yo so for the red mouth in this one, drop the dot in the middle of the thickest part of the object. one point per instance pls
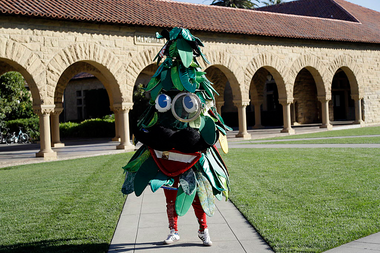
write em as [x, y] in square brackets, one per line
[173, 162]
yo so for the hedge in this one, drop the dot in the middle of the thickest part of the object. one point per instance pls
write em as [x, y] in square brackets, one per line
[28, 125]
[89, 128]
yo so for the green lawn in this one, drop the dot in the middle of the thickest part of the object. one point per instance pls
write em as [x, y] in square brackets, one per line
[63, 206]
[307, 200]
[300, 200]
[335, 133]
[346, 140]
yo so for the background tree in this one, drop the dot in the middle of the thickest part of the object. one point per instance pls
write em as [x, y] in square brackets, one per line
[15, 101]
[273, 2]
[246, 4]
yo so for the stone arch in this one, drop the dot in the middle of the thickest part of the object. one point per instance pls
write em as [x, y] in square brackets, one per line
[16, 57]
[136, 66]
[351, 69]
[314, 65]
[106, 63]
[275, 67]
[71, 71]
[232, 69]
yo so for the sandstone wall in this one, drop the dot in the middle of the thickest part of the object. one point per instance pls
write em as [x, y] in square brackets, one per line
[48, 53]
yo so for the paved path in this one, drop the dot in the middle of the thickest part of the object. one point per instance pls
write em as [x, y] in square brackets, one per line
[143, 226]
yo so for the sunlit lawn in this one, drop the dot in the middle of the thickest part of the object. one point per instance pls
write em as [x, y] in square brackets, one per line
[307, 200]
[64, 206]
[300, 200]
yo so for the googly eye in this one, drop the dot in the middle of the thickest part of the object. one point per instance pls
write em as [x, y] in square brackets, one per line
[163, 103]
[190, 104]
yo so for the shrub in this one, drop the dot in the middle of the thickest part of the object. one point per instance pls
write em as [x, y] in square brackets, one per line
[28, 125]
[104, 127]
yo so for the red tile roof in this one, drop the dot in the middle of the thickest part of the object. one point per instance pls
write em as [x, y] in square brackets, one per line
[166, 13]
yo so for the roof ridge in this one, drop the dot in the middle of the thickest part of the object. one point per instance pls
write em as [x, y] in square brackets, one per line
[309, 8]
[308, 17]
[344, 9]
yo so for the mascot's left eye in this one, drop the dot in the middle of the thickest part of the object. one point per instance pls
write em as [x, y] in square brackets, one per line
[190, 104]
[163, 103]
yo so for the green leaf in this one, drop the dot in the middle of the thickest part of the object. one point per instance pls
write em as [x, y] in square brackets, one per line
[208, 132]
[158, 72]
[153, 121]
[183, 201]
[175, 78]
[187, 35]
[185, 52]
[158, 181]
[154, 92]
[166, 80]
[174, 33]
[147, 172]
[185, 80]
[152, 83]
[196, 123]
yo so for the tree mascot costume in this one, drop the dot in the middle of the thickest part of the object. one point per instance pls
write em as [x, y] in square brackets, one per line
[178, 131]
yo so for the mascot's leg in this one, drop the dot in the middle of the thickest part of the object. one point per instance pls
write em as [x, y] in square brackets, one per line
[203, 233]
[170, 208]
[200, 214]
[171, 196]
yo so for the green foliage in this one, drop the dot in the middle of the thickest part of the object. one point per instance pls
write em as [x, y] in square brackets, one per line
[140, 103]
[104, 127]
[15, 101]
[29, 126]
[245, 4]
[273, 2]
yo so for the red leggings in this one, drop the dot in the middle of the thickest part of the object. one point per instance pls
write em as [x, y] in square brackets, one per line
[171, 196]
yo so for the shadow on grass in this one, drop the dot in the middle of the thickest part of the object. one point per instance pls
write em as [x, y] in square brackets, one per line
[54, 246]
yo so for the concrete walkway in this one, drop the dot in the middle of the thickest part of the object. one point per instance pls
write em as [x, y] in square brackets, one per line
[143, 226]
[143, 223]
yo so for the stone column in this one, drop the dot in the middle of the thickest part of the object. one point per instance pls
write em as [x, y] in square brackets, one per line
[123, 116]
[242, 120]
[325, 112]
[219, 104]
[117, 124]
[43, 113]
[257, 106]
[56, 138]
[286, 116]
[358, 109]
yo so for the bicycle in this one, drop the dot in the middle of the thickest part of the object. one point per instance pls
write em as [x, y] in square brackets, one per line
[3, 139]
[20, 138]
[23, 137]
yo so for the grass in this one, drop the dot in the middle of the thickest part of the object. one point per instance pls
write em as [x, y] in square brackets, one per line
[307, 200]
[300, 200]
[365, 135]
[346, 140]
[63, 206]
[336, 133]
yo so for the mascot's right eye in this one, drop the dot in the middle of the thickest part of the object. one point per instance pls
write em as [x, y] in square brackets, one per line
[163, 103]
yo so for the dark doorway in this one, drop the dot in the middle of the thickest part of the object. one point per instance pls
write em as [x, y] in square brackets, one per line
[343, 105]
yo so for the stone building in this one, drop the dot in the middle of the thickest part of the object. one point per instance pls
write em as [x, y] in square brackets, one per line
[305, 61]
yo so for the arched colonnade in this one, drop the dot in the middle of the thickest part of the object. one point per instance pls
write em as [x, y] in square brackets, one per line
[47, 82]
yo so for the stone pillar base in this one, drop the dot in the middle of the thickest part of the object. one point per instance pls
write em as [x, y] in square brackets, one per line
[258, 126]
[128, 148]
[360, 122]
[47, 156]
[328, 126]
[290, 131]
[115, 139]
[245, 136]
[58, 145]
